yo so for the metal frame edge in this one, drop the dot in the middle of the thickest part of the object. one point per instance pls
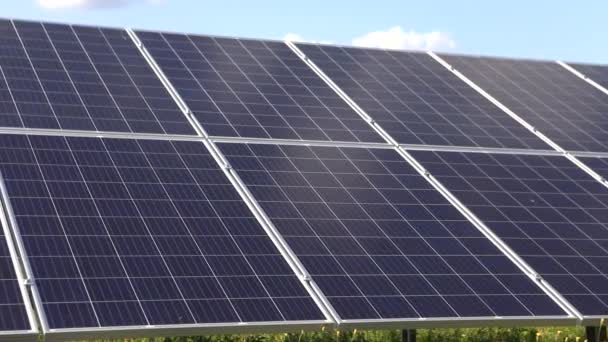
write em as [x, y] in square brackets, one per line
[583, 77]
[27, 286]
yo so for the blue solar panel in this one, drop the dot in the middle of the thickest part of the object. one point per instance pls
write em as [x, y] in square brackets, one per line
[81, 78]
[417, 100]
[13, 314]
[558, 103]
[596, 72]
[143, 232]
[378, 239]
[545, 208]
[255, 89]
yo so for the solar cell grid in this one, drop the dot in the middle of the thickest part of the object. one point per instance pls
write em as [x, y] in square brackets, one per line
[417, 101]
[378, 239]
[81, 78]
[254, 89]
[558, 103]
[545, 208]
[141, 232]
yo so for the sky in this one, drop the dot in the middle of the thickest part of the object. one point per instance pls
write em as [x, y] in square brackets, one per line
[538, 29]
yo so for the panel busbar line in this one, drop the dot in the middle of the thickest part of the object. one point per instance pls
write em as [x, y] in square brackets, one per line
[125, 233]
[417, 101]
[553, 100]
[548, 210]
[378, 240]
[254, 89]
[81, 78]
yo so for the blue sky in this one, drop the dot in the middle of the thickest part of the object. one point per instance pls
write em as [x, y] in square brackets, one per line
[567, 30]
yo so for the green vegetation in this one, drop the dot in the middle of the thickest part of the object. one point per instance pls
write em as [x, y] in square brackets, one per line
[562, 334]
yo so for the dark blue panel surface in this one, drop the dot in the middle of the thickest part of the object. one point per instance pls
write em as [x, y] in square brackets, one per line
[13, 314]
[417, 100]
[558, 103]
[545, 208]
[378, 239]
[142, 232]
[81, 78]
[255, 89]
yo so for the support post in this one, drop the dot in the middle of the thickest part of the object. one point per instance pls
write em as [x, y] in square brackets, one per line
[596, 334]
[408, 335]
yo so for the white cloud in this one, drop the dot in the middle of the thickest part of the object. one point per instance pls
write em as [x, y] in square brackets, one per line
[87, 4]
[294, 37]
[398, 39]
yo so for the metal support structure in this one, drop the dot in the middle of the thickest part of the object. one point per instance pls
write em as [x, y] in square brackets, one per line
[22, 269]
[596, 333]
[408, 335]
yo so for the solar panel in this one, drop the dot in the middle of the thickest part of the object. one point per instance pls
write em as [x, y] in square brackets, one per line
[596, 72]
[81, 78]
[378, 239]
[138, 233]
[548, 210]
[558, 103]
[13, 312]
[254, 89]
[417, 100]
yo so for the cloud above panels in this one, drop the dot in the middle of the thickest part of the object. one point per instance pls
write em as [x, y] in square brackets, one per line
[91, 4]
[398, 39]
[294, 37]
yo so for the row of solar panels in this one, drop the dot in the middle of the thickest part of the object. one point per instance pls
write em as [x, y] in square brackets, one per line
[177, 234]
[94, 79]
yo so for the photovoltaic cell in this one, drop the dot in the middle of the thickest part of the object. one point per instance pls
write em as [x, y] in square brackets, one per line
[13, 314]
[548, 210]
[558, 103]
[142, 232]
[596, 72]
[417, 100]
[254, 89]
[378, 239]
[81, 78]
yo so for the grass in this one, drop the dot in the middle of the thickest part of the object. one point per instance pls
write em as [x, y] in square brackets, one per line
[562, 334]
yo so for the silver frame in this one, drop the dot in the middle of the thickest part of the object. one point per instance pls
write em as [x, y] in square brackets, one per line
[583, 76]
[21, 267]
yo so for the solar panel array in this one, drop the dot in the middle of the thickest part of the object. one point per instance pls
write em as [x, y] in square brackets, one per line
[418, 101]
[378, 239]
[552, 213]
[133, 234]
[81, 78]
[142, 232]
[555, 101]
[254, 89]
